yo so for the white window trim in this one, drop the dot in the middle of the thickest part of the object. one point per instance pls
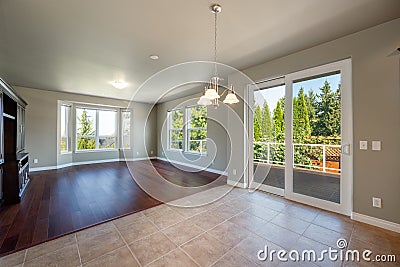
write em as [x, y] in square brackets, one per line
[169, 129]
[187, 132]
[97, 136]
[68, 129]
[121, 143]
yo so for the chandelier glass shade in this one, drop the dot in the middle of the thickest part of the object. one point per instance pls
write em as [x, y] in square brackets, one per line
[211, 94]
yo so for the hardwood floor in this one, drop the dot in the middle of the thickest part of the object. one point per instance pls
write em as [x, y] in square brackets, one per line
[62, 201]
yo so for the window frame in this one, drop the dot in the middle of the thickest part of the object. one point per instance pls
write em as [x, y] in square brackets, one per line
[170, 129]
[68, 129]
[188, 129]
[96, 135]
[122, 140]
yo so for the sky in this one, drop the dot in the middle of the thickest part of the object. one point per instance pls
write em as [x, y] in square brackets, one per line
[273, 94]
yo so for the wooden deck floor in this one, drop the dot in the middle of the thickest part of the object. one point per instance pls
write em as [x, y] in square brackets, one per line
[310, 183]
[62, 201]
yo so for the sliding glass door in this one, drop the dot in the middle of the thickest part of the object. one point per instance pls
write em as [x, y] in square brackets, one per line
[301, 129]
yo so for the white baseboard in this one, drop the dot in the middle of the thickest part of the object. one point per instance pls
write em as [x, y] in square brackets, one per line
[46, 168]
[193, 166]
[376, 222]
[234, 183]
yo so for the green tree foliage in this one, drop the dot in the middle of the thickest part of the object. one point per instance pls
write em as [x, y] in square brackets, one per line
[312, 107]
[177, 129]
[257, 123]
[316, 120]
[86, 132]
[301, 122]
[266, 124]
[279, 123]
[198, 124]
[328, 113]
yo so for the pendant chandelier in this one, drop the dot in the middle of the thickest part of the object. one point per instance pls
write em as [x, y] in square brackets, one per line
[211, 94]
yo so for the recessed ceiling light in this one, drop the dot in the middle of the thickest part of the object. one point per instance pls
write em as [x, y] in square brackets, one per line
[119, 84]
[154, 57]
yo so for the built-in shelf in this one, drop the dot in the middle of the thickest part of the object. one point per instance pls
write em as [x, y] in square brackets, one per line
[14, 171]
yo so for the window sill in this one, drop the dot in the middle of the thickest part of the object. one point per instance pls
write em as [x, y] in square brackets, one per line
[66, 153]
[174, 150]
[201, 154]
[96, 150]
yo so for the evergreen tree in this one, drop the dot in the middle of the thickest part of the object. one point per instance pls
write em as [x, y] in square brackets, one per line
[328, 112]
[85, 141]
[312, 107]
[257, 124]
[301, 122]
[282, 103]
[266, 126]
[337, 111]
[279, 123]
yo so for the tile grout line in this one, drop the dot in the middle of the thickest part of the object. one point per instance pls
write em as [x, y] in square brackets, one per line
[207, 232]
[226, 202]
[23, 262]
[190, 257]
[127, 245]
[348, 244]
[77, 247]
[179, 247]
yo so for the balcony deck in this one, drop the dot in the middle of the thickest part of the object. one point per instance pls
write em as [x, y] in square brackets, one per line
[316, 184]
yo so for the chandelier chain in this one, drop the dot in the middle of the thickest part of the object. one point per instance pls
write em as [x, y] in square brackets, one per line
[215, 44]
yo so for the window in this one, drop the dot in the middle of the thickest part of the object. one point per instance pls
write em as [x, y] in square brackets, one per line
[126, 129]
[95, 129]
[197, 129]
[64, 128]
[107, 129]
[175, 129]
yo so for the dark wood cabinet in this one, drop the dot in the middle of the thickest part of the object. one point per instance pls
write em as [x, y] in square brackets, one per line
[15, 161]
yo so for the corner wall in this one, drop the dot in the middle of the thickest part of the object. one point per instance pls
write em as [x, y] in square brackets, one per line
[216, 131]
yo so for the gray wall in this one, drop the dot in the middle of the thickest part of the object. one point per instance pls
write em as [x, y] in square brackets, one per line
[376, 110]
[41, 127]
[216, 157]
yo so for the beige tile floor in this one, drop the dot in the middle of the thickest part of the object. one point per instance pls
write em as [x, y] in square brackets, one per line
[227, 232]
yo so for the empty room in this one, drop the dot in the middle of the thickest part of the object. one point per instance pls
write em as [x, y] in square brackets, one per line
[199, 133]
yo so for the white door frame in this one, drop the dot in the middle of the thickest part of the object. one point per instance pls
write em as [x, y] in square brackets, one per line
[250, 147]
[346, 179]
[346, 184]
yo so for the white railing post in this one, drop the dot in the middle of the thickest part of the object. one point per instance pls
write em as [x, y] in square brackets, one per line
[323, 158]
[268, 153]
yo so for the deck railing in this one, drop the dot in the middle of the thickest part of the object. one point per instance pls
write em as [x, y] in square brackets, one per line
[273, 153]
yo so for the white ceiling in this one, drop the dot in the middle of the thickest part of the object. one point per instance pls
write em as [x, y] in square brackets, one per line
[80, 46]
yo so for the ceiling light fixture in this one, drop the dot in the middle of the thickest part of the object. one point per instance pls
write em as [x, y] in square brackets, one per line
[119, 84]
[211, 95]
[154, 57]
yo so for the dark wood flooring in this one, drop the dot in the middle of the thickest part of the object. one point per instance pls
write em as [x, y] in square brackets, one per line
[62, 201]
